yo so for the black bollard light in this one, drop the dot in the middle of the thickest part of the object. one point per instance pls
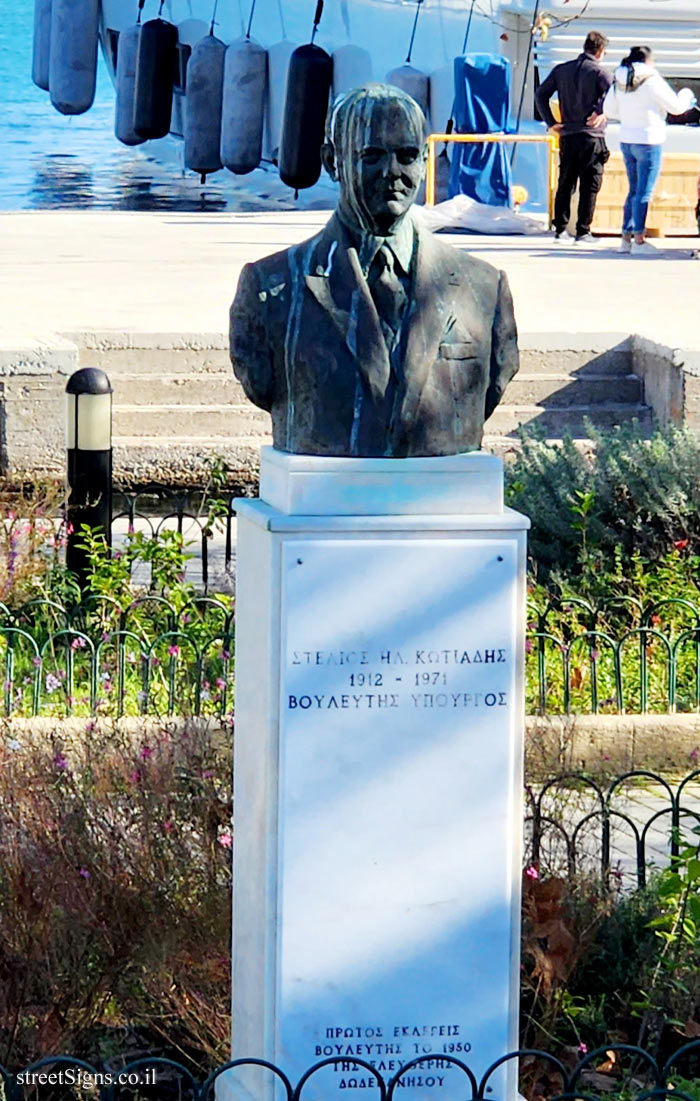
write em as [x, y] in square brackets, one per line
[89, 443]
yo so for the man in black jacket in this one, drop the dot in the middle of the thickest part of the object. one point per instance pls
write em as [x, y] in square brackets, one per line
[581, 86]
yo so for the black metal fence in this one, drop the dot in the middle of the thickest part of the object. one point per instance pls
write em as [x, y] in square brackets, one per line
[631, 1072]
[153, 509]
[616, 829]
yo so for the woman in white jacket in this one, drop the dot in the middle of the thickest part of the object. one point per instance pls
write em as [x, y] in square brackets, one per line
[640, 98]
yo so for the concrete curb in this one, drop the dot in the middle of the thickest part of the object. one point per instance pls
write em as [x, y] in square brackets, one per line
[604, 744]
[612, 743]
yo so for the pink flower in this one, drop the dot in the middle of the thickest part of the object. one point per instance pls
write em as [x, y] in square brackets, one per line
[90, 726]
[595, 655]
[583, 1048]
[146, 752]
[60, 762]
[135, 776]
[36, 661]
[694, 754]
[52, 682]
[224, 655]
[531, 872]
[528, 646]
[167, 825]
[155, 661]
[220, 683]
[78, 644]
[84, 873]
[173, 651]
[226, 840]
[207, 774]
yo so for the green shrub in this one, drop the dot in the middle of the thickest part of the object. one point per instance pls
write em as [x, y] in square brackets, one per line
[622, 495]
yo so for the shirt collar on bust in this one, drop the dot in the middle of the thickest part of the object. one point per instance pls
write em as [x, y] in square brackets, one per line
[401, 244]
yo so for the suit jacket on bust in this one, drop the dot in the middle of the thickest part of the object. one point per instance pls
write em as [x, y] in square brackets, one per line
[307, 344]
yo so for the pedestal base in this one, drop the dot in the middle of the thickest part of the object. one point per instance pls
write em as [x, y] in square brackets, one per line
[378, 773]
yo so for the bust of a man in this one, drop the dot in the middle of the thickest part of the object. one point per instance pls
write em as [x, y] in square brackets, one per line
[374, 338]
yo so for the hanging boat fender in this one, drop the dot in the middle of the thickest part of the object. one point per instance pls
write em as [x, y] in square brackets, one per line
[126, 85]
[73, 55]
[243, 117]
[205, 89]
[352, 66]
[278, 58]
[155, 78]
[42, 43]
[414, 82]
[305, 107]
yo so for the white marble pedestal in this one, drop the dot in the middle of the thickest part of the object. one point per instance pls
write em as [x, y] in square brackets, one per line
[378, 773]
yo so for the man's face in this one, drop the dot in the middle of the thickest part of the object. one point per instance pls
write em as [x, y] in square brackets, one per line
[392, 165]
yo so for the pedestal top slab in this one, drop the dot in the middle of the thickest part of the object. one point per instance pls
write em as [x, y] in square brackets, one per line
[317, 485]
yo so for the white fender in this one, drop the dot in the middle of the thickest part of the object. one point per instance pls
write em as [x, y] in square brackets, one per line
[42, 43]
[73, 55]
[205, 89]
[352, 66]
[125, 84]
[243, 118]
[442, 94]
[277, 65]
[414, 82]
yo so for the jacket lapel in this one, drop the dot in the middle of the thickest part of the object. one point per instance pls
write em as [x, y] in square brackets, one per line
[429, 317]
[336, 281]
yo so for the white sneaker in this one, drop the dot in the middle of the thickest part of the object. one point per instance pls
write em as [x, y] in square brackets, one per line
[645, 249]
[563, 238]
[626, 244]
[586, 239]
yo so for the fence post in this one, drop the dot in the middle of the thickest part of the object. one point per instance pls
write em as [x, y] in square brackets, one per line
[89, 462]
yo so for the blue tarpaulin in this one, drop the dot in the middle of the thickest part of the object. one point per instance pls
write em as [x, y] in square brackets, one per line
[482, 104]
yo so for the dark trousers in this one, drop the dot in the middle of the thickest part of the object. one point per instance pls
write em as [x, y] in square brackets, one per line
[582, 159]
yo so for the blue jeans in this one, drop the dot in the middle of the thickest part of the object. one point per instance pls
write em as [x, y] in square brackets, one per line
[643, 164]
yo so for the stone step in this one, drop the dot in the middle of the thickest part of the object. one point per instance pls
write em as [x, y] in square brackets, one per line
[568, 419]
[562, 361]
[218, 388]
[146, 388]
[193, 422]
[134, 361]
[558, 390]
[202, 422]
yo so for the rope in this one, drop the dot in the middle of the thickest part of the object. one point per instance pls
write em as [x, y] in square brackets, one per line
[317, 19]
[213, 17]
[142, 5]
[530, 47]
[451, 120]
[469, 27]
[160, 9]
[250, 21]
[413, 32]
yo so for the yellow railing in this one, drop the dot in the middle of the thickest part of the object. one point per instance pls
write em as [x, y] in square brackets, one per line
[551, 140]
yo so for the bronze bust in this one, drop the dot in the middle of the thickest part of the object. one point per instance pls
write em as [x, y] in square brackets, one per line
[374, 338]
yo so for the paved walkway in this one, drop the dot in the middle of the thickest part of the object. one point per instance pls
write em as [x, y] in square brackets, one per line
[176, 273]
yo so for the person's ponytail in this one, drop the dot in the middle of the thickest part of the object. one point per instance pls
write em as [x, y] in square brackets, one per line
[636, 54]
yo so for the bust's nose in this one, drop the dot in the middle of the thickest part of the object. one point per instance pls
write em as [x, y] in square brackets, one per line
[393, 168]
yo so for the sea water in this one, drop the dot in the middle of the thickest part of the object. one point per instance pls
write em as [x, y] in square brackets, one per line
[52, 161]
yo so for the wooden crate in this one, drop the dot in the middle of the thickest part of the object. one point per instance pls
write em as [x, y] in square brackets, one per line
[672, 209]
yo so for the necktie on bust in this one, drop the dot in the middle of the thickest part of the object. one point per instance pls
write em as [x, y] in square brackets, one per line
[388, 293]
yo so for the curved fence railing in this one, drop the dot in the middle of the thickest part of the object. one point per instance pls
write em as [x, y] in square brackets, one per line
[99, 658]
[616, 830]
[616, 656]
[177, 509]
[638, 1076]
